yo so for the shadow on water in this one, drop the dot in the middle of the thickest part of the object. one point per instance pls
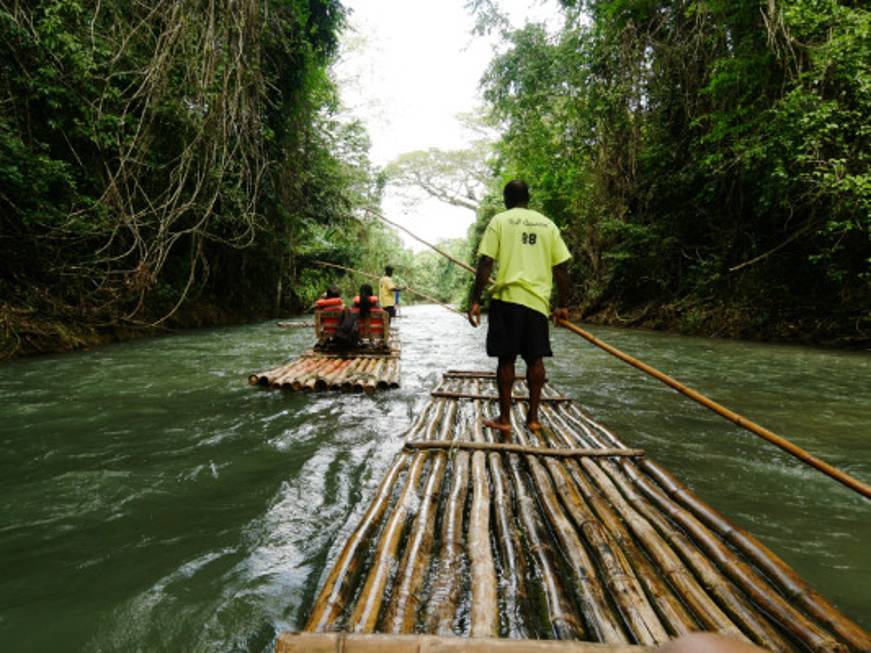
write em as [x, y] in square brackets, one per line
[152, 500]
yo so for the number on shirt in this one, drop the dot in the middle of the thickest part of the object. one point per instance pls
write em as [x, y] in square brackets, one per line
[529, 239]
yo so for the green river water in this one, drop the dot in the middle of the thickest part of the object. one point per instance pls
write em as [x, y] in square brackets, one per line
[151, 500]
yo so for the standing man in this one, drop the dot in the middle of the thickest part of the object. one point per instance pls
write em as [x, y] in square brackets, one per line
[529, 252]
[386, 289]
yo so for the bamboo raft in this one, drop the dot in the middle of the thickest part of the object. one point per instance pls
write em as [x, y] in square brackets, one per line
[359, 370]
[566, 534]
[294, 325]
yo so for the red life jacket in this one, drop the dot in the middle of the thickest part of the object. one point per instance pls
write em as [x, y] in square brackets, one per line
[333, 306]
[330, 304]
[373, 301]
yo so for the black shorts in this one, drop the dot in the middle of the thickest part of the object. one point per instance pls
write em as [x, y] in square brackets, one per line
[390, 310]
[516, 330]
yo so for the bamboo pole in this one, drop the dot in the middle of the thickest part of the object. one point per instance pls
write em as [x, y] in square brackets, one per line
[514, 567]
[787, 616]
[619, 575]
[741, 611]
[445, 592]
[561, 615]
[765, 562]
[611, 507]
[454, 260]
[492, 397]
[405, 597]
[594, 604]
[842, 477]
[336, 591]
[795, 588]
[407, 287]
[483, 611]
[365, 615]
[350, 643]
[524, 449]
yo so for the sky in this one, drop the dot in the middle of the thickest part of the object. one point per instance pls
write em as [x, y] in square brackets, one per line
[407, 69]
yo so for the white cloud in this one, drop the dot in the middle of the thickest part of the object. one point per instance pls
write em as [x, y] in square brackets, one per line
[408, 68]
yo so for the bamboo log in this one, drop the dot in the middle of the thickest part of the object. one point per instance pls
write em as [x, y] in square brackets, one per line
[349, 643]
[563, 622]
[790, 619]
[514, 568]
[338, 379]
[405, 597]
[445, 593]
[610, 506]
[483, 611]
[285, 377]
[476, 374]
[267, 378]
[492, 397]
[300, 381]
[309, 380]
[337, 589]
[618, 573]
[842, 477]
[740, 610]
[594, 604]
[365, 615]
[506, 447]
[791, 584]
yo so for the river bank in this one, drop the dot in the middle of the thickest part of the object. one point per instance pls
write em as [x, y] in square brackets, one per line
[24, 334]
[735, 322]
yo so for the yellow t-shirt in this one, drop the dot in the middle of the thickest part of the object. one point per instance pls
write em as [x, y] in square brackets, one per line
[385, 292]
[526, 246]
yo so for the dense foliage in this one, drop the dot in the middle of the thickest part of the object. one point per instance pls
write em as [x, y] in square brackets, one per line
[708, 160]
[170, 162]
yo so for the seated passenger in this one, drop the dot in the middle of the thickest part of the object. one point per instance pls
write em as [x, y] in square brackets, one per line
[371, 315]
[329, 308]
[331, 300]
[368, 303]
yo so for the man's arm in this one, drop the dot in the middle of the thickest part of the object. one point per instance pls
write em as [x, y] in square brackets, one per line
[561, 275]
[482, 277]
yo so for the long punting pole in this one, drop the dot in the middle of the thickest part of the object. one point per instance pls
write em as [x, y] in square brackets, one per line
[453, 259]
[842, 477]
[369, 275]
[853, 483]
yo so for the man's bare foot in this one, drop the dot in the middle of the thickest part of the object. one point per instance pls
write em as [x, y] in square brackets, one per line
[534, 425]
[505, 427]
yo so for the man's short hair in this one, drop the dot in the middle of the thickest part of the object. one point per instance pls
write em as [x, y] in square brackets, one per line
[516, 192]
[388, 270]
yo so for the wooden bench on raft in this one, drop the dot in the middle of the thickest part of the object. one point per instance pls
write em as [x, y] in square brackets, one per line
[374, 329]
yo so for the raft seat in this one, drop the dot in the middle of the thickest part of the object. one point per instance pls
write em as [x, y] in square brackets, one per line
[374, 330]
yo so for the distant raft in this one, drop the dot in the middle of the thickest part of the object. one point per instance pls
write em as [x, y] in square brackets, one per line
[564, 534]
[365, 369]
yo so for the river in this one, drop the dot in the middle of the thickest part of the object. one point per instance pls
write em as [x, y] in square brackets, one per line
[150, 499]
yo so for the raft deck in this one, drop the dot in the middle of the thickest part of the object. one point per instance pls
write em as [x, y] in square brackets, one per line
[361, 370]
[566, 535]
